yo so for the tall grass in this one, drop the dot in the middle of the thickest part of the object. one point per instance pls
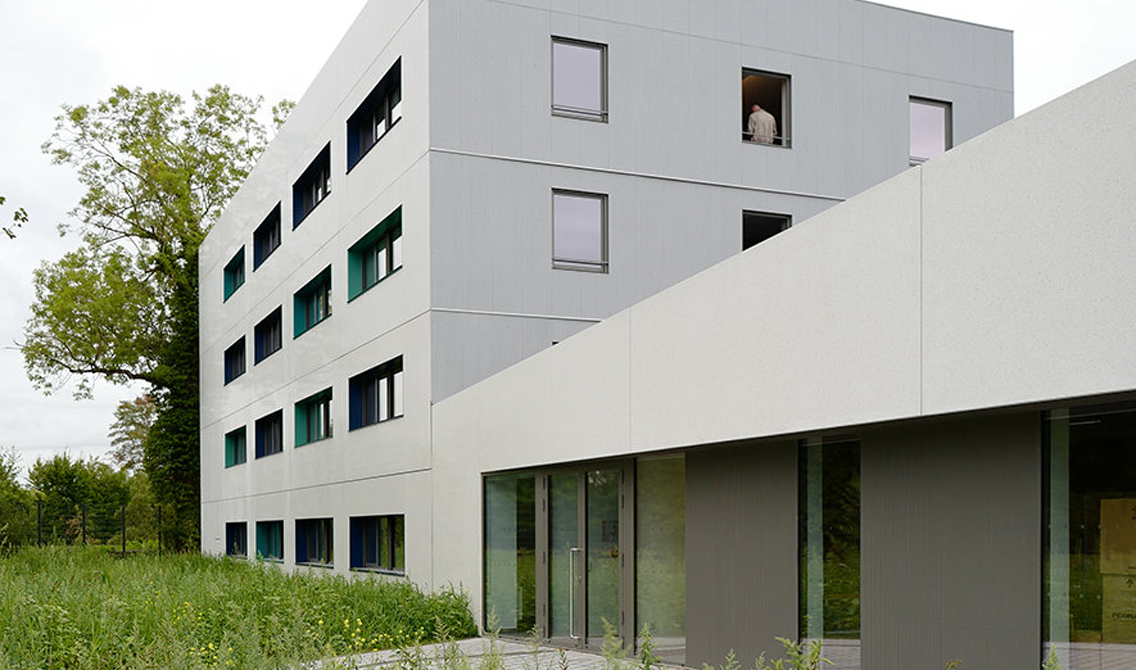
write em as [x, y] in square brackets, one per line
[70, 607]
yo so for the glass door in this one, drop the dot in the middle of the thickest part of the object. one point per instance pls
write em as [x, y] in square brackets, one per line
[584, 565]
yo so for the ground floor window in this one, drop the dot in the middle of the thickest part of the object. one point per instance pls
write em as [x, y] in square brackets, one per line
[510, 553]
[377, 543]
[236, 539]
[314, 541]
[830, 548]
[270, 540]
[660, 554]
[1089, 562]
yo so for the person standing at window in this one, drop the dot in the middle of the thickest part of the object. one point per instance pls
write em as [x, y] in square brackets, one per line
[762, 125]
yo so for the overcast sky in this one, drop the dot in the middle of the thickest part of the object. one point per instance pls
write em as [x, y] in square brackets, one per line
[73, 51]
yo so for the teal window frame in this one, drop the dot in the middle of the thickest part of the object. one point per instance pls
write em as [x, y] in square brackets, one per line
[311, 305]
[234, 273]
[313, 418]
[236, 447]
[381, 246]
[270, 541]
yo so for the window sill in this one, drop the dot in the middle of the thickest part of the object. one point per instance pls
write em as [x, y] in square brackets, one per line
[378, 423]
[309, 564]
[388, 275]
[782, 144]
[380, 571]
[582, 115]
[598, 268]
[322, 439]
[267, 559]
[271, 454]
[233, 465]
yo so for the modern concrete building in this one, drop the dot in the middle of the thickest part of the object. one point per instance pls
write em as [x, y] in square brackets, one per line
[466, 184]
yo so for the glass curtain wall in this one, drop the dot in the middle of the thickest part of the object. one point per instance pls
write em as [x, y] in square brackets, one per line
[660, 554]
[510, 553]
[1089, 561]
[830, 548]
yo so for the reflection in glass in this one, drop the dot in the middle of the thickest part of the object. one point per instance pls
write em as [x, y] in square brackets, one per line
[660, 554]
[577, 225]
[577, 78]
[603, 553]
[830, 549]
[564, 555]
[510, 553]
[1090, 540]
[930, 129]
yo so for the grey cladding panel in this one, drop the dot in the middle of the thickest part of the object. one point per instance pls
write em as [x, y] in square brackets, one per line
[951, 544]
[741, 551]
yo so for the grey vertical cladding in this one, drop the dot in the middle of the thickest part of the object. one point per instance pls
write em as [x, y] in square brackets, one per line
[741, 551]
[951, 543]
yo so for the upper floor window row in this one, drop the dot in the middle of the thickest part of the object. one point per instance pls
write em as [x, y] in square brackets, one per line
[313, 186]
[377, 114]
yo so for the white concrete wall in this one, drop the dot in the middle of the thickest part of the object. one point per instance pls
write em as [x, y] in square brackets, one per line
[998, 274]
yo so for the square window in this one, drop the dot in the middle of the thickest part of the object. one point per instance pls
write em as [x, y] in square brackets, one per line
[579, 79]
[376, 255]
[930, 129]
[270, 434]
[234, 273]
[376, 395]
[236, 539]
[235, 360]
[235, 447]
[375, 116]
[313, 418]
[313, 186]
[312, 303]
[760, 226]
[314, 541]
[268, 336]
[266, 237]
[270, 540]
[579, 231]
[378, 543]
[765, 108]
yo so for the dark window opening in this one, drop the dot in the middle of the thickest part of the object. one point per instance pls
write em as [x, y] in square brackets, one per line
[312, 303]
[313, 418]
[375, 116]
[270, 434]
[377, 543]
[376, 395]
[760, 226]
[314, 541]
[236, 539]
[375, 256]
[235, 447]
[234, 274]
[266, 237]
[765, 108]
[268, 336]
[235, 360]
[312, 187]
[270, 540]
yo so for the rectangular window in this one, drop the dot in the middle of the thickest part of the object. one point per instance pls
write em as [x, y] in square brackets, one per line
[313, 418]
[830, 544]
[312, 303]
[266, 237]
[235, 360]
[236, 539]
[579, 231]
[760, 226]
[579, 79]
[234, 273]
[375, 256]
[270, 434]
[314, 541]
[765, 108]
[268, 336]
[313, 186]
[377, 543]
[376, 395]
[235, 447]
[930, 128]
[375, 116]
[270, 540]
[660, 554]
[1089, 559]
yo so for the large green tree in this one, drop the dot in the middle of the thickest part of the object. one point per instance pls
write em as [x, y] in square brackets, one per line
[158, 170]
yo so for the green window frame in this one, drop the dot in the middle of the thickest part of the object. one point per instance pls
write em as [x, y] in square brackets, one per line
[312, 303]
[236, 447]
[376, 255]
[313, 418]
[234, 273]
[270, 540]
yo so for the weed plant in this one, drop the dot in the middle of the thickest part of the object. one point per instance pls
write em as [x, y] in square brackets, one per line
[75, 608]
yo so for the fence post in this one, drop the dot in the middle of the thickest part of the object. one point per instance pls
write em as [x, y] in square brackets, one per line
[39, 523]
[124, 530]
[84, 525]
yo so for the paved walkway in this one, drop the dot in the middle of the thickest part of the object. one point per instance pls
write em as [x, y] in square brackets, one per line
[514, 655]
